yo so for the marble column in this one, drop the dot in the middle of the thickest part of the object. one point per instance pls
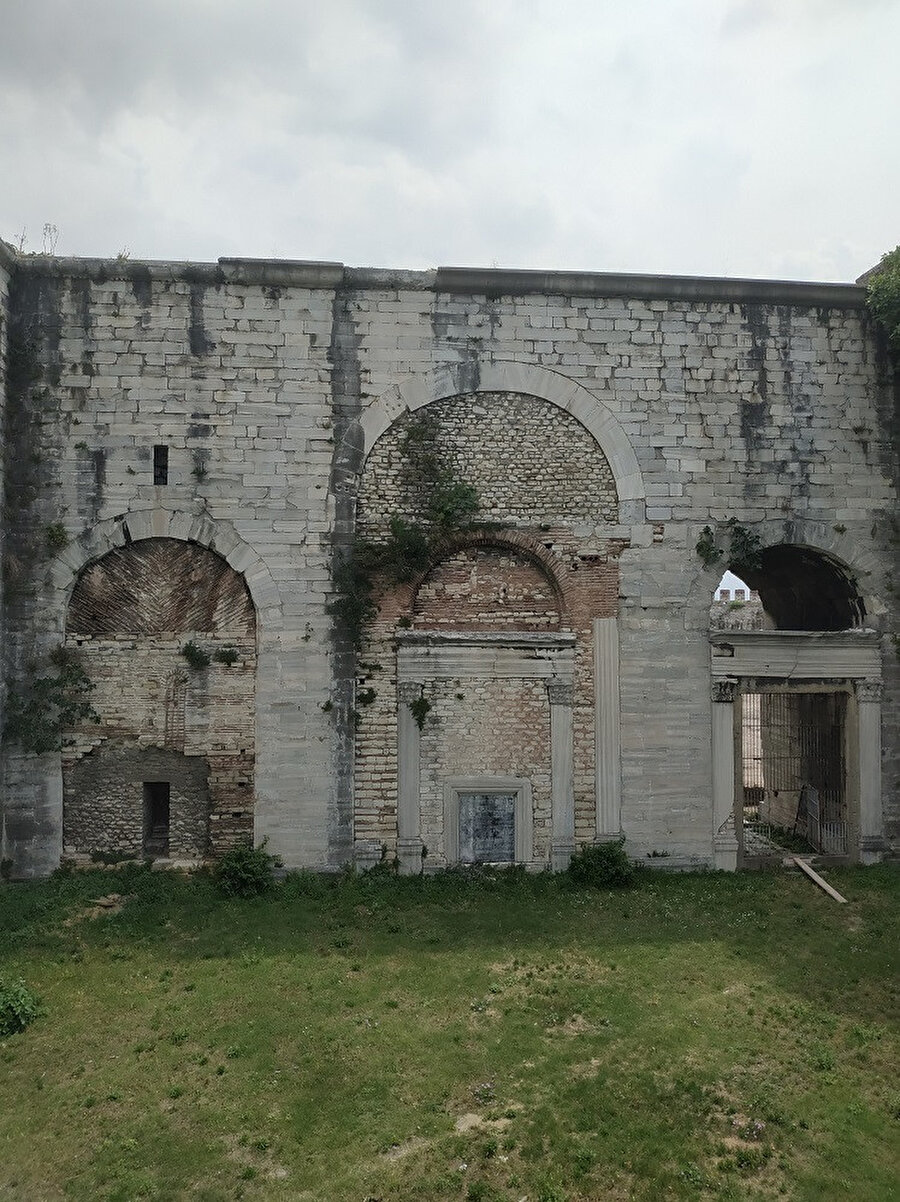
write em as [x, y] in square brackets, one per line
[409, 839]
[725, 841]
[562, 774]
[871, 840]
[607, 730]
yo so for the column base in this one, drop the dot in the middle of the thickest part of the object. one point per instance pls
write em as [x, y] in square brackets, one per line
[561, 852]
[367, 854]
[409, 856]
[871, 849]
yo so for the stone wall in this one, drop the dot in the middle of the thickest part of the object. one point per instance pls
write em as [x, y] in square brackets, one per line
[271, 382]
[485, 728]
[105, 805]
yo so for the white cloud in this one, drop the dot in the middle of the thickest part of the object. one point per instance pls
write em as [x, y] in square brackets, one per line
[745, 137]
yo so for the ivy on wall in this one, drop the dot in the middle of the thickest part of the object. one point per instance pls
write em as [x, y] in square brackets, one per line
[38, 714]
[883, 297]
[445, 505]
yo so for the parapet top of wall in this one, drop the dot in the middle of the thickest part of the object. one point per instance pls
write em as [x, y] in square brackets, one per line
[477, 281]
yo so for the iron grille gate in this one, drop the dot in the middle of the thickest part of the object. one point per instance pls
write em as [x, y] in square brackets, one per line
[793, 771]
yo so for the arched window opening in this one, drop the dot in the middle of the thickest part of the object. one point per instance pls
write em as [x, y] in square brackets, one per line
[791, 588]
[737, 606]
[802, 588]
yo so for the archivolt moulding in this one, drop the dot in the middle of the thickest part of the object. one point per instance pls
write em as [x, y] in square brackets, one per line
[217, 535]
[420, 390]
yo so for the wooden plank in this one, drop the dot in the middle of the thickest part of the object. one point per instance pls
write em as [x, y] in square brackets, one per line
[814, 876]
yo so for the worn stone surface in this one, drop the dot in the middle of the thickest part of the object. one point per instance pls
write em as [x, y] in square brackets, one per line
[268, 383]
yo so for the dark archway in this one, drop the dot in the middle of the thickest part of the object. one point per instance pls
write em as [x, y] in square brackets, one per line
[802, 588]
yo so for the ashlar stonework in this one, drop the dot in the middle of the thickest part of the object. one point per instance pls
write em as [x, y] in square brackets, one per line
[191, 452]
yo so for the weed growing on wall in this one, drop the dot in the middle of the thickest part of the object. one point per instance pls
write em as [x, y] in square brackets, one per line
[39, 713]
[741, 548]
[883, 297]
[56, 537]
[196, 657]
[420, 709]
[445, 504]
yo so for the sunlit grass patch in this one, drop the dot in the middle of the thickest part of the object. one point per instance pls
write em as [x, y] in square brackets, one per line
[452, 1037]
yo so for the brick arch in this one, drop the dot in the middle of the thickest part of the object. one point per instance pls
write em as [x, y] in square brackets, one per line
[153, 585]
[527, 380]
[510, 542]
[213, 534]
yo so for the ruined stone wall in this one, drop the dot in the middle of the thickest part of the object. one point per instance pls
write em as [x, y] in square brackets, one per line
[5, 269]
[770, 407]
[770, 403]
[543, 484]
[234, 380]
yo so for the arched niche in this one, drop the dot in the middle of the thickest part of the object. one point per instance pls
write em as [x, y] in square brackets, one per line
[532, 464]
[166, 631]
[487, 587]
[160, 585]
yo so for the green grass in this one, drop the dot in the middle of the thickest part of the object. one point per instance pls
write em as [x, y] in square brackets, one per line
[505, 1037]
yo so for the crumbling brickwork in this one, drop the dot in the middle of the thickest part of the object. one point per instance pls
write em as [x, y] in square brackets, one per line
[130, 617]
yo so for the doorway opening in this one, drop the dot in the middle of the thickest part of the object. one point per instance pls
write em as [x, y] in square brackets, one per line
[792, 793]
[156, 818]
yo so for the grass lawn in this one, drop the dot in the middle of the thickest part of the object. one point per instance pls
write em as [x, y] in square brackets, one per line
[500, 1037]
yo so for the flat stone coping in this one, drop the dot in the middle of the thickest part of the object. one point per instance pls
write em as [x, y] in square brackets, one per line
[834, 638]
[491, 283]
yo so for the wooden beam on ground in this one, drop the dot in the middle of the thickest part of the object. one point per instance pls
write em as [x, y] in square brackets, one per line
[814, 876]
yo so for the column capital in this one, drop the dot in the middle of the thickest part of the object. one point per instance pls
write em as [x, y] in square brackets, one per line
[723, 691]
[560, 692]
[408, 691]
[869, 690]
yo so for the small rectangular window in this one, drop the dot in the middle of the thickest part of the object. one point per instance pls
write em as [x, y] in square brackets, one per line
[160, 465]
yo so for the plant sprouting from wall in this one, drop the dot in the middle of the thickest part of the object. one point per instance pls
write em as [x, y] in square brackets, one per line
[50, 704]
[56, 537]
[741, 547]
[196, 657]
[420, 709]
[883, 297]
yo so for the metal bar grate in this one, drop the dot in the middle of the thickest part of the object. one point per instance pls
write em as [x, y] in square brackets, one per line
[793, 771]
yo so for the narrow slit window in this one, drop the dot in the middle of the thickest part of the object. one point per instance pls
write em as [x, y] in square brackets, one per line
[160, 465]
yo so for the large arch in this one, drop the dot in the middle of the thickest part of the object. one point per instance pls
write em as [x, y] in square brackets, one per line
[186, 526]
[166, 631]
[860, 564]
[420, 390]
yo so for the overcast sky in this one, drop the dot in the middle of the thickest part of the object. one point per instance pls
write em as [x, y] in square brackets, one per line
[703, 137]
